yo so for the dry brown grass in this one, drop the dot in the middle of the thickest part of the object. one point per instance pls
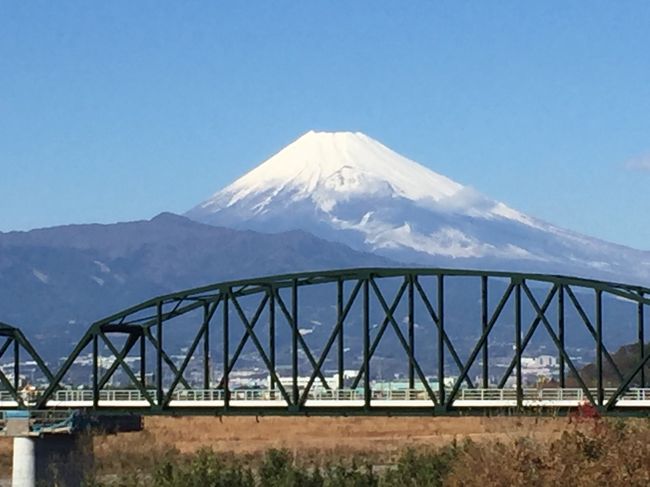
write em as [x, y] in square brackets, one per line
[376, 439]
[601, 453]
[380, 436]
[5, 456]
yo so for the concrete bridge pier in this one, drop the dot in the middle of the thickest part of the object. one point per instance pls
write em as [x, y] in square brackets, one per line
[56, 447]
[24, 462]
[63, 459]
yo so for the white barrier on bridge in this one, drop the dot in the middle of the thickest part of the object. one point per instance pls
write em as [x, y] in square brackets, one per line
[352, 398]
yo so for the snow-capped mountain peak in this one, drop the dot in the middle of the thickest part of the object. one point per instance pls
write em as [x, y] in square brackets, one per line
[324, 164]
[330, 168]
[348, 187]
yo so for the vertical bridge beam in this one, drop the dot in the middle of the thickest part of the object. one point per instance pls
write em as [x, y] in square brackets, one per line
[272, 358]
[600, 397]
[226, 349]
[366, 343]
[16, 365]
[143, 361]
[641, 336]
[206, 346]
[340, 345]
[484, 325]
[411, 330]
[159, 357]
[294, 344]
[518, 351]
[560, 326]
[95, 371]
[441, 335]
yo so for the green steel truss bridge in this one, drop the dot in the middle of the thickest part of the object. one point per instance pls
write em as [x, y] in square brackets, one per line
[463, 342]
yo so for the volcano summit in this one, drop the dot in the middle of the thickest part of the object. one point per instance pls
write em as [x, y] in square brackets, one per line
[350, 188]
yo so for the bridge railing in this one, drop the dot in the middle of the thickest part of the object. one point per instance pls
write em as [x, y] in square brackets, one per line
[198, 395]
[336, 395]
[572, 394]
[399, 395]
[566, 394]
[490, 394]
[86, 395]
[207, 396]
[5, 396]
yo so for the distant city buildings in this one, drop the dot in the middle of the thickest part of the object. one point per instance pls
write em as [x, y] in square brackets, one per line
[534, 369]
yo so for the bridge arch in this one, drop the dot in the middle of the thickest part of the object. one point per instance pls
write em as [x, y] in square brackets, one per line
[444, 370]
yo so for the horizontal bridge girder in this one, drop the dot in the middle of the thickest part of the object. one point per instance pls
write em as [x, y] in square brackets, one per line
[259, 285]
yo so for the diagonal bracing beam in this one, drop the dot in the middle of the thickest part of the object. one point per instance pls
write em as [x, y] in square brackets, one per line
[126, 369]
[258, 345]
[559, 345]
[11, 389]
[6, 346]
[170, 363]
[445, 336]
[380, 333]
[55, 382]
[338, 329]
[480, 343]
[529, 334]
[126, 349]
[626, 382]
[244, 339]
[414, 363]
[301, 340]
[592, 330]
[181, 371]
[202, 333]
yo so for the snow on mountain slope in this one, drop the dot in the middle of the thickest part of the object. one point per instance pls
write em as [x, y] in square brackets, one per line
[350, 188]
[320, 165]
[332, 167]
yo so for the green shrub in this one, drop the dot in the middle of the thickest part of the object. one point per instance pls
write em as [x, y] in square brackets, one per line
[278, 470]
[419, 469]
[351, 476]
[205, 469]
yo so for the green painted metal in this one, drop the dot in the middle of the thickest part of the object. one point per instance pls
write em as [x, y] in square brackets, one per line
[15, 340]
[252, 286]
[147, 323]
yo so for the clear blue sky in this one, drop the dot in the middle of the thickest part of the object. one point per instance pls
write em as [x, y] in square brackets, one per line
[120, 110]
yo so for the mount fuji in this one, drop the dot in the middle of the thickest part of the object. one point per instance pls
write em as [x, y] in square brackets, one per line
[349, 188]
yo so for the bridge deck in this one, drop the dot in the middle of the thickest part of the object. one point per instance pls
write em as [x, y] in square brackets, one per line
[342, 399]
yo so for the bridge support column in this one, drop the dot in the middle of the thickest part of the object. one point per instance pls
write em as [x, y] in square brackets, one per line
[52, 459]
[24, 462]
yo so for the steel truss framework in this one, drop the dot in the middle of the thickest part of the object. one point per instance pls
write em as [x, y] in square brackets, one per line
[14, 343]
[141, 331]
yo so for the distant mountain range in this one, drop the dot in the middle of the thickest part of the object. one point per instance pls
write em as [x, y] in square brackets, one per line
[329, 200]
[54, 282]
[350, 188]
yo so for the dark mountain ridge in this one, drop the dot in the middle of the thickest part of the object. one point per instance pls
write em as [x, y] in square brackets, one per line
[55, 281]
